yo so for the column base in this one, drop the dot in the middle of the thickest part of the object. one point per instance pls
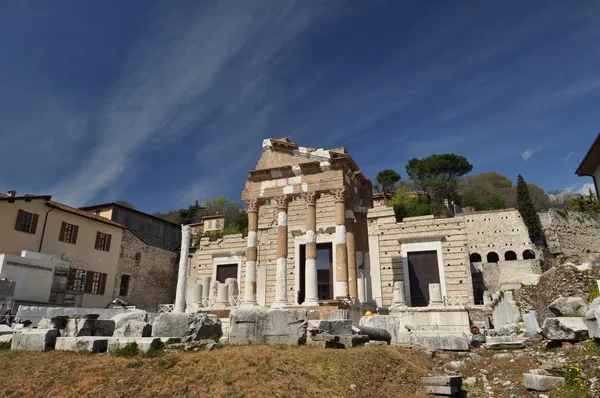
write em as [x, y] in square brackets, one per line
[249, 304]
[311, 302]
[279, 304]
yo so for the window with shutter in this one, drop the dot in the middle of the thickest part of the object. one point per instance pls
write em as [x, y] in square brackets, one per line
[95, 283]
[68, 233]
[26, 222]
[102, 241]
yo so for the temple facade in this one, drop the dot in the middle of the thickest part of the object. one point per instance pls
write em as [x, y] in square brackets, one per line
[317, 236]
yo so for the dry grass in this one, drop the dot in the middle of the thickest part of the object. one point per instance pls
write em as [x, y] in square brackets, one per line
[249, 371]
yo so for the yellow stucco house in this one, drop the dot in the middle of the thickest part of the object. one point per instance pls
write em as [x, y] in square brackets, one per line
[89, 242]
[590, 165]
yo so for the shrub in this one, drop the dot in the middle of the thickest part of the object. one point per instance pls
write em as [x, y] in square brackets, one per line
[593, 291]
[4, 345]
[135, 364]
[129, 350]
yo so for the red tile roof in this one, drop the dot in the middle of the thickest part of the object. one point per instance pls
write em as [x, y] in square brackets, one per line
[85, 214]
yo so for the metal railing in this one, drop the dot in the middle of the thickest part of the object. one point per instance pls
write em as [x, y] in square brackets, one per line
[164, 308]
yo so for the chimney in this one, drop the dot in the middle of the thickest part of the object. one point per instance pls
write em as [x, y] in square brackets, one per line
[12, 193]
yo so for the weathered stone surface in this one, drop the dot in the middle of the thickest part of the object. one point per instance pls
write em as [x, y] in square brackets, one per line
[541, 382]
[335, 327]
[456, 365]
[6, 338]
[136, 315]
[565, 328]
[268, 326]
[81, 325]
[95, 344]
[170, 324]
[35, 340]
[133, 328]
[568, 306]
[144, 344]
[592, 320]
[530, 279]
[203, 326]
[445, 381]
[509, 345]
[448, 341]
[531, 324]
[4, 329]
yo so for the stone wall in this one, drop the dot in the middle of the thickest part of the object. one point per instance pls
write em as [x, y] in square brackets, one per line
[495, 275]
[561, 281]
[499, 232]
[419, 229]
[152, 271]
[573, 235]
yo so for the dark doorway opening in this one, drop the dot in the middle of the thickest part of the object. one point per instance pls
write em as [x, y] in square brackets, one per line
[422, 271]
[492, 257]
[225, 271]
[510, 256]
[528, 255]
[324, 272]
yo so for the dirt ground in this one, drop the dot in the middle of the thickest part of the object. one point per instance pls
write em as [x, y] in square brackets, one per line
[248, 371]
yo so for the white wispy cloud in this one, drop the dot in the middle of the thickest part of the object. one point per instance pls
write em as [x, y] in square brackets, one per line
[181, 74]
[568, 157]
[529, 153]
[585, 188]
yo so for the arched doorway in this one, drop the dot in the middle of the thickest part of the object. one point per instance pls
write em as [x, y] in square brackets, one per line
[528, 255]
[510, 256]
[492, 257]
[475, 258]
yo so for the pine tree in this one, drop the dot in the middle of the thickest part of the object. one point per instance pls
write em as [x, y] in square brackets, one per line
[527, 211]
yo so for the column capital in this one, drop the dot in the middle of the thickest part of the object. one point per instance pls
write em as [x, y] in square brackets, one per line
[283, 201]
[311, 198]
[254, 204]
[340, 195]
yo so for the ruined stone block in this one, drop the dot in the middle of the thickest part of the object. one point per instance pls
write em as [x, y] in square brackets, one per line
[446, 341]
[134, 328]
[268, 326]
[568, 306]
[540, 382]
[144, 344]
[565, 328]
[170, 325]
[123, 318]
[96, 344]
[335, 327]
[35, 340]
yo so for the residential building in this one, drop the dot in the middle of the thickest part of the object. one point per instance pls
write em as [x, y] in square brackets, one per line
[213, 223]
[151, 229]
[85, 247]
[590, 165]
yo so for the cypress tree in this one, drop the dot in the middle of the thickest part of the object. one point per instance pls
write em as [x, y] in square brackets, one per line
[527, 211]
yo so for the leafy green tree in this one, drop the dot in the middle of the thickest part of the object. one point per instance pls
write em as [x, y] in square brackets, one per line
[583, 204]
[408, 203]
[191, 214]
[528, 212]
[439, 174]
[387, 179]
[484, 191]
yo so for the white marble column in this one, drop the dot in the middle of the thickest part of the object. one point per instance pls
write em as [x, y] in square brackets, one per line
[222, 296]
[183, 263]
[341, 261]
[399, 295]
[435, 295]
[205, 290]
[251, 255]
[282, 253]
[360, 244]
[311, 291]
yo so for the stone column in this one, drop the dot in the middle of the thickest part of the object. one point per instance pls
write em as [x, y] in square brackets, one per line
[311, 297]
[232, 287]
[183, 263]
[282, 252]
[360, 237]
[366, 258]
[205, 290]
[212, 296]
[251, 254]
[341, 262]
[351, 244]
[222, 296]
[399, 295]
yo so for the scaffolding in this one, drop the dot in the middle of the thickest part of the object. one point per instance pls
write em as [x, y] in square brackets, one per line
[68, 282]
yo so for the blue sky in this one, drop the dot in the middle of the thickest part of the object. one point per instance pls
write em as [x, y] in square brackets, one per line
[161, 103]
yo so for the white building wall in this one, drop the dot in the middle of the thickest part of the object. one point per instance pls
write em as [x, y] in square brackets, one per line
[32, 277]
